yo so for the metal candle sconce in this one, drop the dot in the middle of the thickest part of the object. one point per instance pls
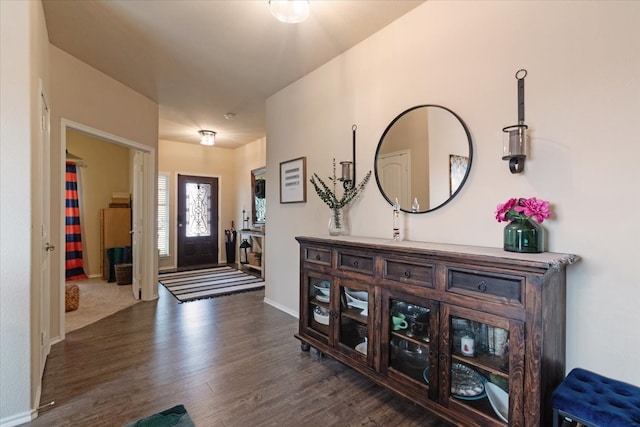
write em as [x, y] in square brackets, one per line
[515, 137]
[348, 179]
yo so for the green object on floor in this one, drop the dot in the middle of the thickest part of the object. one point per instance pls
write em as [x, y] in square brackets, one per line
[114, 255]
[172, 417]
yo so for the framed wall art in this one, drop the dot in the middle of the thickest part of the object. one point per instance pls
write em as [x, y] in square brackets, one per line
[293, 181]
[457, 170]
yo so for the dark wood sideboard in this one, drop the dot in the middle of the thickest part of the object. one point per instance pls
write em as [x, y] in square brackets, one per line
[469, 320]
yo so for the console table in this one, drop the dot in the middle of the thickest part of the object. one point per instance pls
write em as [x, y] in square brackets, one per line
[472, 325]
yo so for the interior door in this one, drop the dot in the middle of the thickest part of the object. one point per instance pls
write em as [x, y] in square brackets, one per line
[46, 246]
[394, 175]
[197, 226]
[136, 222]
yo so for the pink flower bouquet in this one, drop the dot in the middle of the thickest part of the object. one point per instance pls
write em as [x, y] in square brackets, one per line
[523, 209]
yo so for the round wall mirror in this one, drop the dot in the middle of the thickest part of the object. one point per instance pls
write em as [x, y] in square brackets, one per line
[423, 158]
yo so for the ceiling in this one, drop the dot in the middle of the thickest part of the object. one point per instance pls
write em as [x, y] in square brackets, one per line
[202, 59]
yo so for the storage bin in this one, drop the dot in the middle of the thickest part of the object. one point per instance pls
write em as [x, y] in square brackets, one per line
[124, 274]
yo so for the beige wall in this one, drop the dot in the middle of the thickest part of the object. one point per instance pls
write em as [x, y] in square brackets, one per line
[107, 170]
[582, 102]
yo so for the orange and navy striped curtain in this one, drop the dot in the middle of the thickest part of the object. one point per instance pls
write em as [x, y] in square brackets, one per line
[73, 266]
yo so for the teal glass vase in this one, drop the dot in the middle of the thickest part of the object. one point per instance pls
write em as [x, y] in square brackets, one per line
[524, 236]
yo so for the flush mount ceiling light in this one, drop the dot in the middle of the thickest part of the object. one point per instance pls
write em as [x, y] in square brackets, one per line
[207, 137]
[290, 11]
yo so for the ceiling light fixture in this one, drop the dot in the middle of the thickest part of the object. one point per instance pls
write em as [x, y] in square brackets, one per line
[207, 137]
[290, 11]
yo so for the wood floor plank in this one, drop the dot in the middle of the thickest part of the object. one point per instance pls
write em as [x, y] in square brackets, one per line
[232, 361]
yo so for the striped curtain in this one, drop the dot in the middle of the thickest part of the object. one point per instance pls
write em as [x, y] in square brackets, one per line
[73, 265]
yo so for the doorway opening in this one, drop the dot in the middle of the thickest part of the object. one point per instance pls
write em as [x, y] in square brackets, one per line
[143, 183]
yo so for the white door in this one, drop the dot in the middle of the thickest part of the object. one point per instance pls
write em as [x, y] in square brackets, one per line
[136, 223]
[393, 169]
[45, 244]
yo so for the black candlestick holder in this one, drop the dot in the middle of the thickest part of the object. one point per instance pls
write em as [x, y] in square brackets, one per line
[245, 221]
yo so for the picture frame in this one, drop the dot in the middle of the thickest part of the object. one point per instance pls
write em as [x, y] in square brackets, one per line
[457, 170]
[293, 181]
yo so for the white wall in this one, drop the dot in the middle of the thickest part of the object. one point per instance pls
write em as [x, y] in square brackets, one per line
[582, 102]
[23, 62]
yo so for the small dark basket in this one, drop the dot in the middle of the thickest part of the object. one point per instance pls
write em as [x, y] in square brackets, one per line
[124, 274]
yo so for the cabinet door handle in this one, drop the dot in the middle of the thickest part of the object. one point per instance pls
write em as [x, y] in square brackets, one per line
[355, 264]
[407, 274]
[482, 286]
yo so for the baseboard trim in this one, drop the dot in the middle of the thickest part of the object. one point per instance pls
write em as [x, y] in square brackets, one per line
[16, 420]
[281, 307]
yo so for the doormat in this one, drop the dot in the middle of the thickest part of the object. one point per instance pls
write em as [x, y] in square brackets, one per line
[172, 417]
[209, 283]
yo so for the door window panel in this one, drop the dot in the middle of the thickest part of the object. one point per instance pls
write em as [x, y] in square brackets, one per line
[198, 210]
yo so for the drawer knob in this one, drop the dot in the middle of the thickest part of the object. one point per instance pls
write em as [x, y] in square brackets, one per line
[355, 264]
[482, 286]
[318, 257]
[407, 274]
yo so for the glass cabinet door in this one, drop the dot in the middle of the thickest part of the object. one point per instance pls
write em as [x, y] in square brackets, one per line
[316, 312]
[410, 334]
[484, 350]
[355, 317]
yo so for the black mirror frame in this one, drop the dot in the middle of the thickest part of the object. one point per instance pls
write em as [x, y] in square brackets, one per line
[462, 182]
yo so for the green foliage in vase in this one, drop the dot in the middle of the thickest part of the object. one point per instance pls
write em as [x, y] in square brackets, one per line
[329, 195]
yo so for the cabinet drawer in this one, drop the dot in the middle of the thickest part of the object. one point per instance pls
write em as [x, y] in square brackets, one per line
[359, 263]
[319, 256]
[497, 287]
[408, 272]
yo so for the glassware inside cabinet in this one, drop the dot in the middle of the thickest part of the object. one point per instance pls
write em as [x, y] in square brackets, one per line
[486, 344]
[354, 316]
[410, 337]
[480, 366]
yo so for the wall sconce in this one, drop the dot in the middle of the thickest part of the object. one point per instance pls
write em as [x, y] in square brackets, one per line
[290, 11]
[349, 167]
[514, 145]
[207, 137]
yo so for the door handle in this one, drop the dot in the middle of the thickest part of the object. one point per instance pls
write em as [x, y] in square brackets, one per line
[49, 247]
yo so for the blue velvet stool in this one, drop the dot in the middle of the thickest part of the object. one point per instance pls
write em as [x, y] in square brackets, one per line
[596, 401]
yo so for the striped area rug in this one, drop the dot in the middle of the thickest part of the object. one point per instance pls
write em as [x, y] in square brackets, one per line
[209, 283]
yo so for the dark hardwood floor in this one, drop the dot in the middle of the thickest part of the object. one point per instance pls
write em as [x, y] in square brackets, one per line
[232, 361]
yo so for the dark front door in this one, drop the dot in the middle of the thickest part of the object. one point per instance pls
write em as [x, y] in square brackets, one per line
[197, 221]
